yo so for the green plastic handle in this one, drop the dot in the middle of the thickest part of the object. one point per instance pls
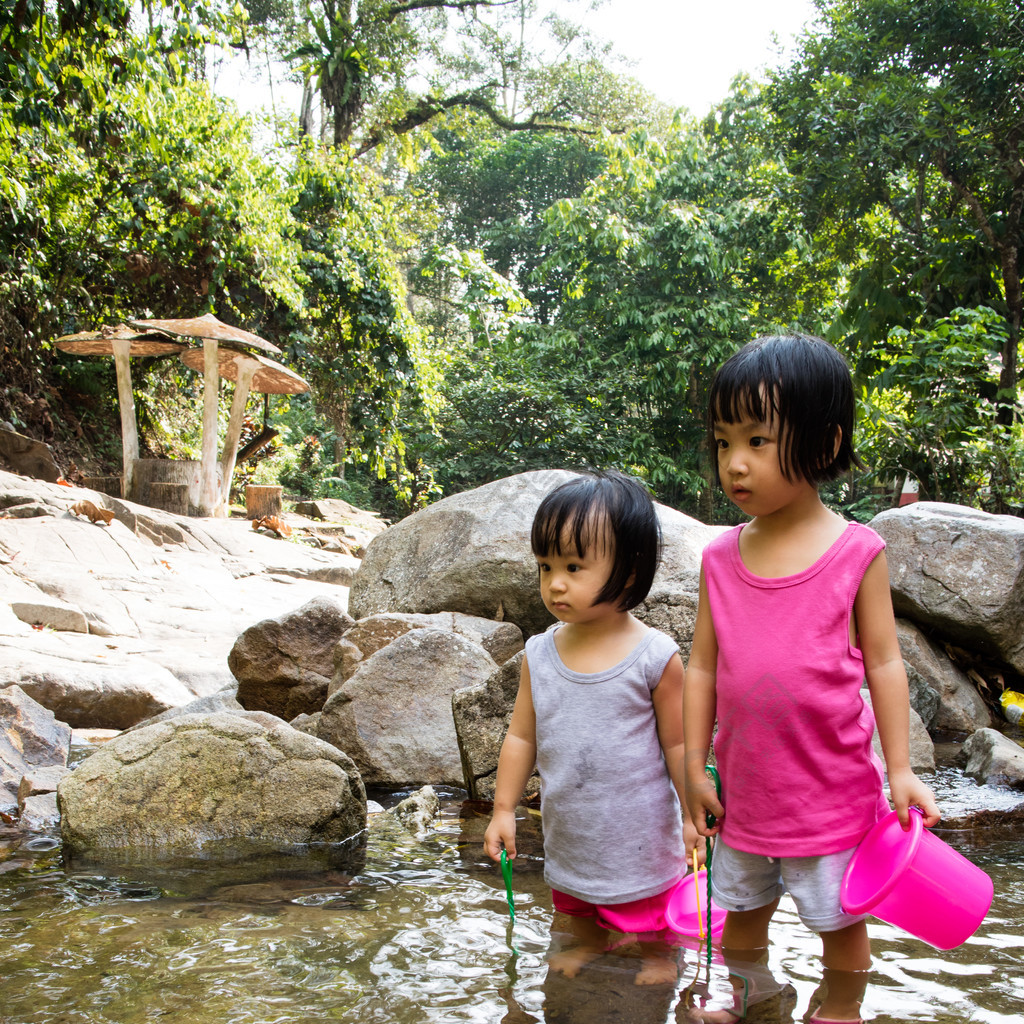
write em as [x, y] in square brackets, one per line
[712, 772]
[506, 871]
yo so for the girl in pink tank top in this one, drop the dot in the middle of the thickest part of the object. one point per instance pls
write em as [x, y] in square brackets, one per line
[794, 613]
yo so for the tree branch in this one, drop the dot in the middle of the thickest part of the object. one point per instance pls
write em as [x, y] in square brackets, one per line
[969, 198]
[430, 106]
[404, 6]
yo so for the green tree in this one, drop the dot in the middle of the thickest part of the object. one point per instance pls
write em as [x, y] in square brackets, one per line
[491, 194]
[355, 338]
[671, 258]
[103, 188]
[507, 405]
[904, 125]
[931, 412]
[384, 68]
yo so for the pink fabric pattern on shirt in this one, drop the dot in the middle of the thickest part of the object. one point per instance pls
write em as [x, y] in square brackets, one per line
[799, 775]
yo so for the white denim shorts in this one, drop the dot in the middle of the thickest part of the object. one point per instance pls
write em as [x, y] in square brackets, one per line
[746, 881]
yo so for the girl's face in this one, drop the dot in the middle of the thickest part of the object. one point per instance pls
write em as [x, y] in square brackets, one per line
[750, 467]
[571, 582]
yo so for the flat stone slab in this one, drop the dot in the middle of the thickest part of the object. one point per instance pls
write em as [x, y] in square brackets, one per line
[94, 616]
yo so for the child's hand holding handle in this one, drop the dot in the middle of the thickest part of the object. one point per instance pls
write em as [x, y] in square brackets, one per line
[501, 835]
[702, 801]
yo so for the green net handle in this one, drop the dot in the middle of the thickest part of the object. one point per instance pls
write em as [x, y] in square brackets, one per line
[709, 819]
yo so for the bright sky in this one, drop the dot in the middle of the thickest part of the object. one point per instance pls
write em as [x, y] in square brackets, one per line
[688, 51]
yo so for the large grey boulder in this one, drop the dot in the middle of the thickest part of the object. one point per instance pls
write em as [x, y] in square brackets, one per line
[21, 454]
[482, 714]
[671, 606]
[284, 665]
[470, 552]
[940, 691]
[501, 640]
[201, 782]
[393, 717]
[994, 758]
[960, 572]
[30, 738]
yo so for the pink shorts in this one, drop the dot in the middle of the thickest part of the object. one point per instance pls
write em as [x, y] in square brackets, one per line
[637, 916]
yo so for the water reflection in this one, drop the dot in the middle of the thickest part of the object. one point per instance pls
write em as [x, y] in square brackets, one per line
[420, 934]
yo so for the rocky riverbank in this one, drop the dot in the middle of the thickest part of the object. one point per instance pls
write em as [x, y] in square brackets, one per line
[253, 685]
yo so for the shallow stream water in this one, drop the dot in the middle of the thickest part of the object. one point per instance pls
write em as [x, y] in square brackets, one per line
[418, 932]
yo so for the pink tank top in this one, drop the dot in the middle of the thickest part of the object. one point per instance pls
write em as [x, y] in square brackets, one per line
[799, 775]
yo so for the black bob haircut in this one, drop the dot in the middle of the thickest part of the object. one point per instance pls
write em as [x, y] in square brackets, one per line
[599, 509]
[800, 383]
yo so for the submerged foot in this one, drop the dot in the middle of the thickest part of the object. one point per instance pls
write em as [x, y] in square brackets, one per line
[658, 967]
[570, 962]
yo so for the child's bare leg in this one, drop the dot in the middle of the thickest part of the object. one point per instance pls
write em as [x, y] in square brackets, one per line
[846, 957]
[744, 941]
[747, 931]
[587, 940]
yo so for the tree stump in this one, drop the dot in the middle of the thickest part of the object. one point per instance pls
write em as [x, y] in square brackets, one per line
[148, 472]
[170, 497]
[262, 501]
[104, 484]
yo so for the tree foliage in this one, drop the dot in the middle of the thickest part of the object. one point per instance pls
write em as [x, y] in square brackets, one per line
[355, 339]
[669, 259]
[177, 213]
[385, 68]
[905, 125]
[502, 256]
[490, 193]
[931, 412]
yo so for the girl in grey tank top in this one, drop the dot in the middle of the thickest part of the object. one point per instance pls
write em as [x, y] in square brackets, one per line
[599, 713]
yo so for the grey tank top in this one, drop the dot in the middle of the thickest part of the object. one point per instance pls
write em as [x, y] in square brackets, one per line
[611, 817]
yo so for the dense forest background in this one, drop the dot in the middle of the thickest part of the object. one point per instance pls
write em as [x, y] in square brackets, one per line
[488, 253]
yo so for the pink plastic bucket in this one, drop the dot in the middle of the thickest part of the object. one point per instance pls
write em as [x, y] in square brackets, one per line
[681, 914]
[917, 882]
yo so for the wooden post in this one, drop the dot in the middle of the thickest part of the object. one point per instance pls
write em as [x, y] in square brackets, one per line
[209, 492]
[148, 473]
[111, 485]
[126, 402]
[262, 501]
[246, 370]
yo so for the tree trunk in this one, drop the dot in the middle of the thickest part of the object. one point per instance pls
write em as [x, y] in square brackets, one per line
[171, 497]
[340, 422]
[261, 501]
[1007, 401]
[146, 473]
[306, 111]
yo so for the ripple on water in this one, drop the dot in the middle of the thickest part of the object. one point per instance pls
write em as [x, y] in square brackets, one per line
[959, 795]
[422, 935]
